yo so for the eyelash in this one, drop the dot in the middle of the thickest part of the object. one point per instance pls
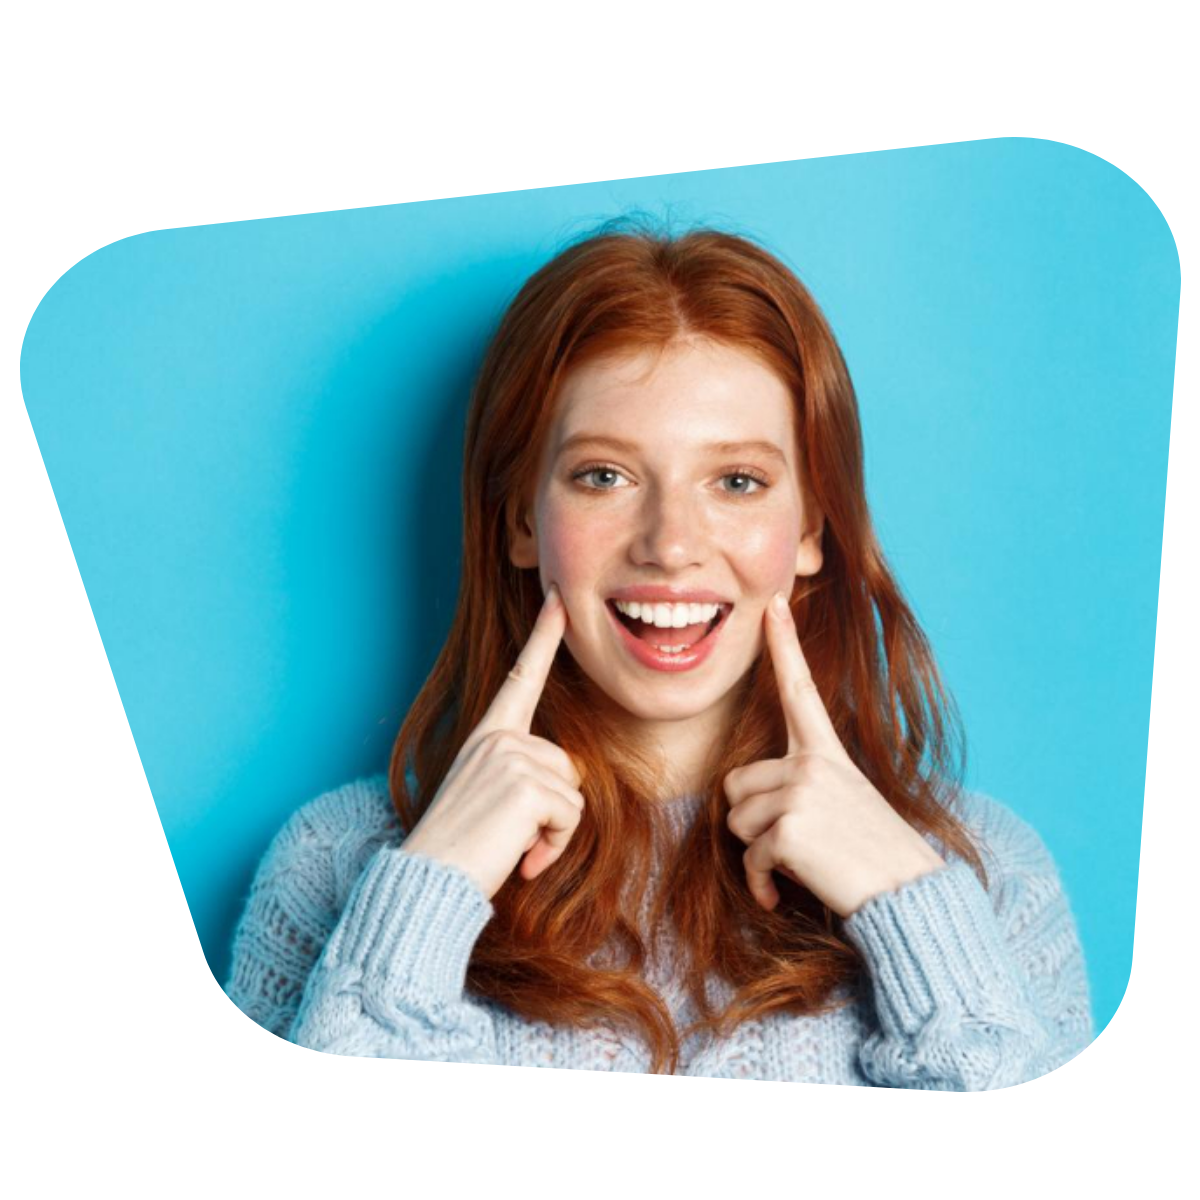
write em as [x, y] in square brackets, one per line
[744, 472]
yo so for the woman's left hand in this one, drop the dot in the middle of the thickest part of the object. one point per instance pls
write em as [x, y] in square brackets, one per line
[813, 815]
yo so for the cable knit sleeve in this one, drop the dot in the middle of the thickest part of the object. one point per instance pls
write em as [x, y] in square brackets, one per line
[350, 945]
[972, 989]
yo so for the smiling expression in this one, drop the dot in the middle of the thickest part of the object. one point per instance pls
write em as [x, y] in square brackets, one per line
[679, 472]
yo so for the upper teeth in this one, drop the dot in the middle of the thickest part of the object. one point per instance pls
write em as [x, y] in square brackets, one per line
[668, 616]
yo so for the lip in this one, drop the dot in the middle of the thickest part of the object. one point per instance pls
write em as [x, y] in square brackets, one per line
[648, 656]
[650, 593]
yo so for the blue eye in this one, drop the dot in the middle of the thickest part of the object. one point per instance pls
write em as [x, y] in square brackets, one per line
[758, 481]
[595, 471]
[753, 475]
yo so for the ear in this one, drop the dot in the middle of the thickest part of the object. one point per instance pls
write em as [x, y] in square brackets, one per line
[809, 555]
[522, 537]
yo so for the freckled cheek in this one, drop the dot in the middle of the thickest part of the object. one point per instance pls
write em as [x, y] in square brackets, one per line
[571, 550]
[766, 556]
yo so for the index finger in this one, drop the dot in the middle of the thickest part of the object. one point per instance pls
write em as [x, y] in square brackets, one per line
[514, 704]
[808, 722]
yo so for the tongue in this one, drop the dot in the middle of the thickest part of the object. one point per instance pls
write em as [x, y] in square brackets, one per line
[689, 635]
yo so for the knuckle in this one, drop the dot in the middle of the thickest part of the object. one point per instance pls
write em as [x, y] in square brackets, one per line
[506, 741]
[511, 764]
[807, 771]
[790, 823]
[795, 795]
[526, 795]
[492, 740]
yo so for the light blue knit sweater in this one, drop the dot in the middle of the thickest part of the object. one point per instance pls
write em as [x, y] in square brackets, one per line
[347, 944]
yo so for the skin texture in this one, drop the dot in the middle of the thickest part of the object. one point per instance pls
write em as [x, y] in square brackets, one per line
[670, 511]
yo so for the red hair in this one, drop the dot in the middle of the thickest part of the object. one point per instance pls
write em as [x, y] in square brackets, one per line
[629, 288]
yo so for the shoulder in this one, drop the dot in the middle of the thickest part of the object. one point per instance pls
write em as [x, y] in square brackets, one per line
[1005, 839]
[329, 839]
[360, 808]
[1023, 878]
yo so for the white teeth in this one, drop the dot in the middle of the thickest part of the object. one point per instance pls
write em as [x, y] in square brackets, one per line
[668, 616]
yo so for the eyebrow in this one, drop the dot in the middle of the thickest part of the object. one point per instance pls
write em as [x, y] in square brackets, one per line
[769, 449]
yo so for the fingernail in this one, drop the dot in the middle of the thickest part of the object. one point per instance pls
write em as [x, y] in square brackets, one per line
[779, 604]
[553, 599]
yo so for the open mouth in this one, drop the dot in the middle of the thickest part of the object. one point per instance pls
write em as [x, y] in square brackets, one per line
[636, 625]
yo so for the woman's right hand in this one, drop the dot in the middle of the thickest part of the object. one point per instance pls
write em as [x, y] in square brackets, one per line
[508, 795]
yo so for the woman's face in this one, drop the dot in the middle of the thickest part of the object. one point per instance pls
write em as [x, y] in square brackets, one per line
[676, 474]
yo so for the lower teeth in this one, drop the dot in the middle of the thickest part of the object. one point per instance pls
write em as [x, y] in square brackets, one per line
[680, 649]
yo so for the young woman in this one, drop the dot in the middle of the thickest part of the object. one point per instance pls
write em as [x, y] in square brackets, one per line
[642, 816]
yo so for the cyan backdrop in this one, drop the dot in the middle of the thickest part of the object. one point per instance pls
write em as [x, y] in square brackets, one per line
[253, 434]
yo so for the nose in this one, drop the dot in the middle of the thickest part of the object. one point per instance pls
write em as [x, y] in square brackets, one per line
[670, 532]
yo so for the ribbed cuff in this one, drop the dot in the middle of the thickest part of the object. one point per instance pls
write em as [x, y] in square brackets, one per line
[411, 925]
[933, 944]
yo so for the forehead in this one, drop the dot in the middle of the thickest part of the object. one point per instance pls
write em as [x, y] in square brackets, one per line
[693, 391]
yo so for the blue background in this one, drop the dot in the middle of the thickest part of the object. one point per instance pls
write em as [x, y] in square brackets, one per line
[253, 434]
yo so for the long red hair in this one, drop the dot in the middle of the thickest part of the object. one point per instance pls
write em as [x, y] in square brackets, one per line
[630, 287]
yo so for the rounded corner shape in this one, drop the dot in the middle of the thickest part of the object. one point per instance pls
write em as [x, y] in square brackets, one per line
[1054, 1070]
[1074, 145]
[88, 257]
[245, 1016]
